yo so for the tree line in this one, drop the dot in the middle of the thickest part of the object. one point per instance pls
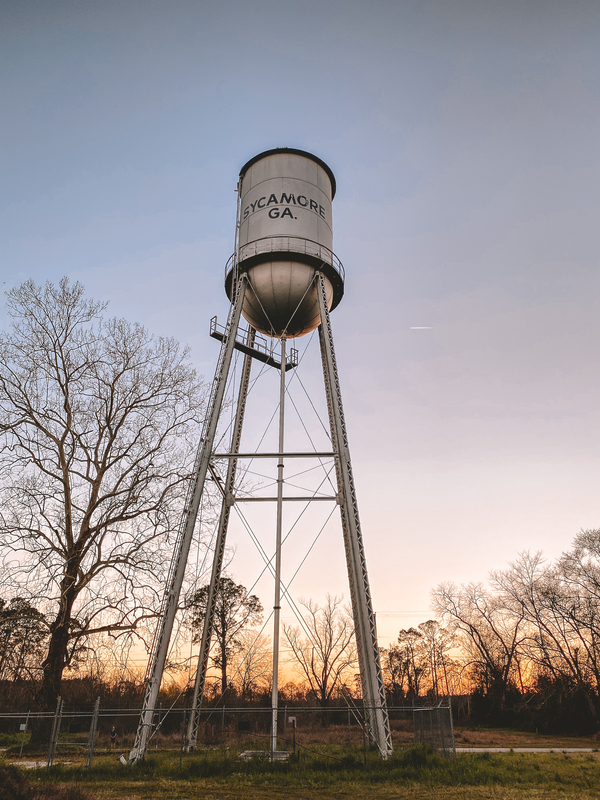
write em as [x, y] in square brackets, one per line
[524, 650]
[321, 649]
[321, 663]
[530, 639]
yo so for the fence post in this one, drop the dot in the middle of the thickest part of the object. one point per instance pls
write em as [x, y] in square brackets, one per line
[183, 732]
[364, 732]
[24, 734]
[92, 737]
[55, 733]
[451, 728]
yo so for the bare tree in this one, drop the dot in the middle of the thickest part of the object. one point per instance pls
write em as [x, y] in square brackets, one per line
[559, 603]
[326, 650]
[529, 589]
[579, 597]
[419, 661]
[437, 641]
[412, 655]
[97, 421]
[252, 663]
[490, 633]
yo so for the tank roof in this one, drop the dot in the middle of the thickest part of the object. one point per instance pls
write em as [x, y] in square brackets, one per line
[296, 152]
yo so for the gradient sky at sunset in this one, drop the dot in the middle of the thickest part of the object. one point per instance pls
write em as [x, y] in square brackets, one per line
[464, 138]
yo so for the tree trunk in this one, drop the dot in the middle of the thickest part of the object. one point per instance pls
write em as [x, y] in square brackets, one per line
[54, 663]
[323, 700]
[223, 673]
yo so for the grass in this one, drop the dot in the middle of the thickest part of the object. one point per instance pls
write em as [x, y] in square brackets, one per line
[12, 739]
[330, 772]
[14, 785]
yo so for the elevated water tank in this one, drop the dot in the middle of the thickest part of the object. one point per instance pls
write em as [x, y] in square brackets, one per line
[285, 235]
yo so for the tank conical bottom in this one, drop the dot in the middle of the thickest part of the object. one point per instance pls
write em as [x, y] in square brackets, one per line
[282, 297]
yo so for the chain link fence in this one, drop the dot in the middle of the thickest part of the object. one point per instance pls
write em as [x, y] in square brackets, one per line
[82, 732]
[434, 727]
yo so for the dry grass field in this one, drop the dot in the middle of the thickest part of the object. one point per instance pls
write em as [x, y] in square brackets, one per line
[207, 791]
[333, 772]
[501, 737]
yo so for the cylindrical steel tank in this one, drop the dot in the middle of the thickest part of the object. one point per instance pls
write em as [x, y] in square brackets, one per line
[285, 235]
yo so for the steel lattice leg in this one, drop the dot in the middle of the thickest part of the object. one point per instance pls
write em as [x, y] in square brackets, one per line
[364, 621]
[160, 646]
[211, 601]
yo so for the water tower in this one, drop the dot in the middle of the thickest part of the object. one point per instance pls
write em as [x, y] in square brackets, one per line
[284, 279]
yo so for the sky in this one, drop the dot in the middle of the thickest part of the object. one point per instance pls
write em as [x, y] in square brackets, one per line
[463, 135]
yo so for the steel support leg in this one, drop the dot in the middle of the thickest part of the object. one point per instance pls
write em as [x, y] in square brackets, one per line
[158, 656]
[279, 525]
[373, 692]
[211, 601]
